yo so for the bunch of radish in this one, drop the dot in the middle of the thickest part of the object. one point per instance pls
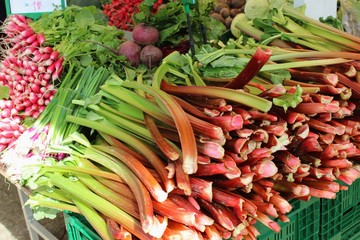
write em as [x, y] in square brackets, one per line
[29, 70]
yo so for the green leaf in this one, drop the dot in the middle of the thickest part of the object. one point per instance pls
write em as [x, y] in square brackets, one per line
[289, 99]
[221, 72]
[277, 76]
[94, 116]
[130, 74]
[94, 99]
[266, 25]
[84, 18]
[86, 60]
[229, 61]
[4, 92]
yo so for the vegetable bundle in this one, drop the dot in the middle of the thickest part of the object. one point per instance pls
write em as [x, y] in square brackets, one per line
[29, 74]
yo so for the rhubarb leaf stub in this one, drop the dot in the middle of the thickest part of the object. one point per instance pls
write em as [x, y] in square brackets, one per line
[290, 99]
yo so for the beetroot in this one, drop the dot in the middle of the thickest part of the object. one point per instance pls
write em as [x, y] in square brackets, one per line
[131, 51]
[150, 55]
[145, 35]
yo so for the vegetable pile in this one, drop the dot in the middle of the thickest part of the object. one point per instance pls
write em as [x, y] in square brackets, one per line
[28, 76]
[201, 147]
[120, 13]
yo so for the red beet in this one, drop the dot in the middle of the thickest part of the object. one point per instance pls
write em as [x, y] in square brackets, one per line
[131, 51]
[145, 35]
[151, 55]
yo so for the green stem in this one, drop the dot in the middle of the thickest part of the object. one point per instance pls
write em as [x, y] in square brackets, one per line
[93, 217]
[182, 123]
[237, 96]
[100, 204]
[110, 129]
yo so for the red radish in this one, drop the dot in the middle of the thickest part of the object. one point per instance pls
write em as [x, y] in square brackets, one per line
[54, 55]
[48, 50]
[31, 39]
[145, 35]
[41, 38]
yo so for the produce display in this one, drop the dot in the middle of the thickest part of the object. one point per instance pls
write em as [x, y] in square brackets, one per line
[147, 141]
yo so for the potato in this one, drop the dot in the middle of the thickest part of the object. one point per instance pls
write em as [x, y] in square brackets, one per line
[228, 22]
[220, 6]
[237, 3]
[234, 12]
[225, 12]
[218, 17]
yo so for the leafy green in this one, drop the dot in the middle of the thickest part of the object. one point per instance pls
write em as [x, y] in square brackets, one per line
[221, 72]
[4, 92]
[84, 18]
[172, 22]
[332, 21]
[289, 99]
[229, 61]
[277, 76]
[81, 35]
[40, 212]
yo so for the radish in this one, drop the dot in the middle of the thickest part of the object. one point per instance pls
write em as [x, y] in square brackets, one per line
[145, 35]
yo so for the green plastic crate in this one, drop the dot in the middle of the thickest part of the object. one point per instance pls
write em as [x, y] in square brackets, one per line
[351, 223]
[78, 227]
[303, 225]
[340, 217]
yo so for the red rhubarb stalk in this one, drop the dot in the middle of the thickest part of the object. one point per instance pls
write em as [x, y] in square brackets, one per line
[256, 62]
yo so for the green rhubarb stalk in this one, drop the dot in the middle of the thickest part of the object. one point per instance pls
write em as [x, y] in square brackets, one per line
[307, 39]
[243, 24]
[198, 80]
[122, 122]
[116, 143]
[100, 204]
[124, 110]
[51, 204]
[141, 193]
[138, 168]
[138, 101]
[338, 34]
[314, 54]
[93, 217]
[120, 200]
[237, 96]
[54, 194]
[110, 129]
[308, 63]
[82, 169]
[182, 123]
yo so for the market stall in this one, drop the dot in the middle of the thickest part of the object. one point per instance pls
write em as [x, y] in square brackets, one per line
[183, 120]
